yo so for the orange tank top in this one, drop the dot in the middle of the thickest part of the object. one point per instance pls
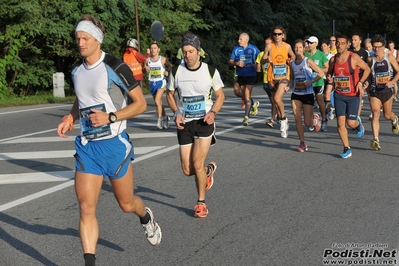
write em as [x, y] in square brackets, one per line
[278, 68]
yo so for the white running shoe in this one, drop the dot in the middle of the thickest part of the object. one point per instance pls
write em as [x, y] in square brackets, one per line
[166, 122]
[152, 230]
[284, 128]
[160, 123]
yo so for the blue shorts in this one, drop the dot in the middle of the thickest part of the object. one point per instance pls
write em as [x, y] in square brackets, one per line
[109, 158]
[156, 85]
[346, 106]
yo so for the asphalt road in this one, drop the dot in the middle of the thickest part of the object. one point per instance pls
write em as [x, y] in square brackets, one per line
[270, 205]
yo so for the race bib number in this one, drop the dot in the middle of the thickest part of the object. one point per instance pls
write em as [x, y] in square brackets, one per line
[342, 84]
[156, 72]
[279, 71]
[88, 131]
[247, 59]
[194, 106]
[300, 84]
[382, 78]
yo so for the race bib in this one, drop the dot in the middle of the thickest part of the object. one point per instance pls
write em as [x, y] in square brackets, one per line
[247, 59]
[88, 131]
[300, 84]
[194, 106]
[342, 84]
[382, 78]
[280, 71]
[156, 72]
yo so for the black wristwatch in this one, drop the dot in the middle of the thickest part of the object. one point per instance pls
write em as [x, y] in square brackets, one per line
[112, 117]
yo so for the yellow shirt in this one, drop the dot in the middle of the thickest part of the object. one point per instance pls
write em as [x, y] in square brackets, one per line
[264, 66]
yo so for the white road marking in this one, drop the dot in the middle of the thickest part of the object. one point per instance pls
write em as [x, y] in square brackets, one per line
[65, 175]
[61, 154]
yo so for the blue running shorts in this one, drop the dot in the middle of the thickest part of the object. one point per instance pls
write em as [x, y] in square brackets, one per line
[156, 85]
[109, 157]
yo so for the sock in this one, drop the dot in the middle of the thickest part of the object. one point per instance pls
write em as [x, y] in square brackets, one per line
[346, 148]
[376, 139]
[252, 102]
[145, 219]
[90, 259]
[302, 142]
[201, 201]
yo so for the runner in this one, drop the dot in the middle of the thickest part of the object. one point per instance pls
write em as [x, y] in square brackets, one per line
[278, 54]
[102, 84]
[345, 68]
[381, 88]
[333, 45]
[321, 61]
[195, 114]
[360, 51]
[369, 47]
[302, 97]
[266, 85]
[330, 113]
[243, 58]
[391, 47]
[157, 73]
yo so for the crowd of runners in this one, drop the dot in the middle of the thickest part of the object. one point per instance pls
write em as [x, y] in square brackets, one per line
[332, 80]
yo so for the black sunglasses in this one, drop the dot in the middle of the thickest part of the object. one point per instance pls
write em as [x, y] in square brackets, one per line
[309, 42]
[277, 33]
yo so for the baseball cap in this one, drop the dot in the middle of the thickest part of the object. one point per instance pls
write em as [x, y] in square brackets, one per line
[191, 39]
[312, 39]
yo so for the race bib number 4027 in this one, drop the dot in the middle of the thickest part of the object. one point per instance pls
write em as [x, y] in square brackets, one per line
[194, 106]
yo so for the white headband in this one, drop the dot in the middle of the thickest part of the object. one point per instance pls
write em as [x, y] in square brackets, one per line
[91, 29]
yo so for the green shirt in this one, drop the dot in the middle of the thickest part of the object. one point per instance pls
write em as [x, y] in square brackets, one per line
[320, 59]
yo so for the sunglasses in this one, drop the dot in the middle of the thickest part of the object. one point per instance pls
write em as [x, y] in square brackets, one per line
[309, 42]
[332, 40]
[277, 33]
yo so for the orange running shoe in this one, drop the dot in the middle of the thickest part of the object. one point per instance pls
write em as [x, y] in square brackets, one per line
[200, 210]
[209, 178]
[242, 104]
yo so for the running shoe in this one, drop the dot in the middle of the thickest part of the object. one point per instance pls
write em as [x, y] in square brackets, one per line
[330, 115]
[200, 210]
[245, 122]
[360, 129]
[166, 122]
[284, 128]
[152, 230]
[346, 154]
[270, 123]
[316, 122]
[209, 178]
[255, 108]
[324, 126]
[303, 147]
[160, 123]
[375, 145]
[242, 104]
[395, 127]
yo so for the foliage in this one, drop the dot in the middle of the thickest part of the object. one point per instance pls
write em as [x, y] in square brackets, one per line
[37, 37]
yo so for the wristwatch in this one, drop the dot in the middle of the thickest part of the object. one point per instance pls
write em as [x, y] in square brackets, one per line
[112, 117]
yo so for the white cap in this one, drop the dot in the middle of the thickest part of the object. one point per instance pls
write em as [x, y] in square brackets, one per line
[312, 39]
